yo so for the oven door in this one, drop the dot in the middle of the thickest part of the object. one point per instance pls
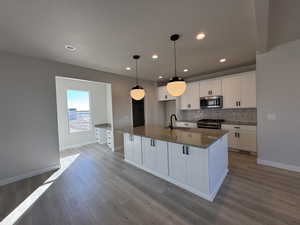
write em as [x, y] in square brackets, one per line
[211, 102]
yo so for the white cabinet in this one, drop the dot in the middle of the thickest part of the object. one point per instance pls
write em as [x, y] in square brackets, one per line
[177, 162]
[101, 136]
[163, 94]
[197, 160]
[190, 99]
[133, 149]
[248, 90]
[189, 165]
[210, 87]
[155, 155]
[231, 92]
[239, 91]
[241, 137]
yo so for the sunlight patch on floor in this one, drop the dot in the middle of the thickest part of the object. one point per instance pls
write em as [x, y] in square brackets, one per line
[20, 210]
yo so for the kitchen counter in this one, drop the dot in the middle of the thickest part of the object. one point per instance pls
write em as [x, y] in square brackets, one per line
[103, 125]
[240, 123]
[197, 137]
[225, 122]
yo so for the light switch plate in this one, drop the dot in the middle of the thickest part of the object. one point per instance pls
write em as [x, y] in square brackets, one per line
[271, 116]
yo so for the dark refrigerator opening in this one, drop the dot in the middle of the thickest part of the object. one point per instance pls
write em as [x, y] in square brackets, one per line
[138, 113]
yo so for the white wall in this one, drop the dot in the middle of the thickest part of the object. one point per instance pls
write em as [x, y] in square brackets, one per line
[98, 105]
[278, 106]
[28, 131]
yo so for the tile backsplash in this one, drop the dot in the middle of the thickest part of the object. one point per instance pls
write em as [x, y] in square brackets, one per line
[242, 115]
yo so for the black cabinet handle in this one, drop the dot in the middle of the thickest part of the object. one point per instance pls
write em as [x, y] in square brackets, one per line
[238, 135]
[187, 150]
[153, 142]
[166, 96]
[239, 103]
[183, 151]
[236, 103]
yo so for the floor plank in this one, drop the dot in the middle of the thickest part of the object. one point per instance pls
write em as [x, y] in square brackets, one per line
[100, 188]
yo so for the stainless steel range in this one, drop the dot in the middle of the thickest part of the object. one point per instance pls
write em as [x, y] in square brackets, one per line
[210, 123]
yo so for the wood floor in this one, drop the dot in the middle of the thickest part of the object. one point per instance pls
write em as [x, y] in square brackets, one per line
[100, 188]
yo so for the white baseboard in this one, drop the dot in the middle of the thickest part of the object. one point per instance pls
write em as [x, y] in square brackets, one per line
[28, 175]
[278, 165]
[77, 145]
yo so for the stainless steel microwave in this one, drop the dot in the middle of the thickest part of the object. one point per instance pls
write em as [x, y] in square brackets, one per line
[211, 102]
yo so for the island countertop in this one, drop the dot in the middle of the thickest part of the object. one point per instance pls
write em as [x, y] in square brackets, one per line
[198, 137]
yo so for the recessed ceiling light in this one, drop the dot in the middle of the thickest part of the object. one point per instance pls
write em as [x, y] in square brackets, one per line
[155, 56]
[128, 68]
[185, 70]
[160, 77]
[70, 48]
[200, 36]
[222, 60]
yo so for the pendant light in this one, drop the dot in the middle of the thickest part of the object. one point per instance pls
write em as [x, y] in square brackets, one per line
[137, 92]
[176, 85]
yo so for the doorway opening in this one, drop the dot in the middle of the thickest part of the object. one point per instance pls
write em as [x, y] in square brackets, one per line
[84, 113]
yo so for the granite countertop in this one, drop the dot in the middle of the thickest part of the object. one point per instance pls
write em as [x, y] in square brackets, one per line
[225, 122]
[103, 125]
[240, 123]
[197, 137]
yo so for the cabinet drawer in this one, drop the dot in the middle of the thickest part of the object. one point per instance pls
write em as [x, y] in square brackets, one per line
[186, 124]
[235, 127]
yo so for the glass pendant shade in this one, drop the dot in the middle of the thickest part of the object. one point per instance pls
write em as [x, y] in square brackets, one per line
[176, 86]
[137, 93]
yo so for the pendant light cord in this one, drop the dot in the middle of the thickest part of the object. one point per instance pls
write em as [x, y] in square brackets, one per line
[136, 72]
[175, 67]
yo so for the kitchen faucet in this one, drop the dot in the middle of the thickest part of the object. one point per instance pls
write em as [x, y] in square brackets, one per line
[171, 121]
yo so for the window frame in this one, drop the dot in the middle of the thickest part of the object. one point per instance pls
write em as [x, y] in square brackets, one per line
[67, 111]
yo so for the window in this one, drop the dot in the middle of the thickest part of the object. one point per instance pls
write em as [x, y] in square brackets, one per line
[79, 113]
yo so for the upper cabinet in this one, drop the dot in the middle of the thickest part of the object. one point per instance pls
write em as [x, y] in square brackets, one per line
[190, 99]
[210, 87]
[239, 91]
[163, 94]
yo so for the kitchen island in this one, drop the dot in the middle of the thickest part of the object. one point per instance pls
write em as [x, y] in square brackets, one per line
[194, 159]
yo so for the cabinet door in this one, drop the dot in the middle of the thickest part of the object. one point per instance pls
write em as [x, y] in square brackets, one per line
[148, 153]
[161, 93]
[190, 99]
[216, 86]
[210, 87]
[197, 169]
[128, 147]
[205, 88]
[233, 141]
[247, 140]
[231, 91]
[160, 162]
[137, 150]
[248, 90]
[177, 162]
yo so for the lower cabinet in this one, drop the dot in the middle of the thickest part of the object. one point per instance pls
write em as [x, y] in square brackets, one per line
[155, 155]
[195, 169]
[241, 137]
[133, 149]
[189, 165]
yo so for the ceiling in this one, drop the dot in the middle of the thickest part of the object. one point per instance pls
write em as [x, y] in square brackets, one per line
[107, 33]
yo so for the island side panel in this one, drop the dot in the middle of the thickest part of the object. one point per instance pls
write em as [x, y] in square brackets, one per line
[218, 164]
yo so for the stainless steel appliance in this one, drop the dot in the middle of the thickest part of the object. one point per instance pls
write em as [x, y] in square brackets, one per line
[211, 102]
[210, 123]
